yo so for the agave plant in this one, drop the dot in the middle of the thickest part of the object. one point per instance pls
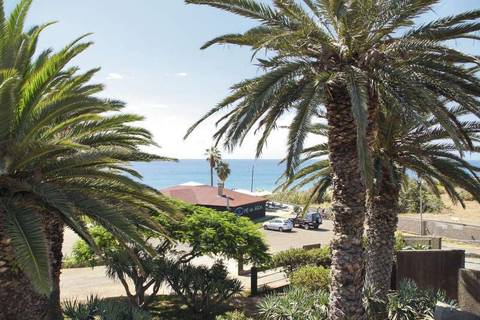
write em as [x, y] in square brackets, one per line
[344, 58]
[295, 304]
[404, 145]
[64, 157]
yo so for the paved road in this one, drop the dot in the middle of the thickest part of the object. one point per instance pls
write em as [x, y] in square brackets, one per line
[279, 241]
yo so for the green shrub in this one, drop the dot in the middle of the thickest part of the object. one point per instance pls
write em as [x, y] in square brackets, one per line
[95, 308]
[292, 259]
[399, 241]
[295, 304]
[202, 289]
[409, 201]
[299, 198]
[465, 195]
[410, 302]
[83, 256]
[311, 277]
[235, 315]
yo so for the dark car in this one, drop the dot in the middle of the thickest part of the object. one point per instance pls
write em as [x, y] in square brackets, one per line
[311, 220]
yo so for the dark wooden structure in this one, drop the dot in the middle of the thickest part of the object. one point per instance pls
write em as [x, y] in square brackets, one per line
[434, 269]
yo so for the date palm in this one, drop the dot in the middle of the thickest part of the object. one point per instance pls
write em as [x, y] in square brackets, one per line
[64, 158]
[344, 58]
[213, 157]
[405, 145]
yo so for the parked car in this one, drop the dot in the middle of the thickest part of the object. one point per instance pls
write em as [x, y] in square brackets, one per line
[278, 224]
[311, 220]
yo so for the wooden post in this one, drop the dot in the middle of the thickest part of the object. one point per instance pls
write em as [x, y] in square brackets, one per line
[253, 281]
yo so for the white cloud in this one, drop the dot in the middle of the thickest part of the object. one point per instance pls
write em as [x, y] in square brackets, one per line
[115, 76]
[181, 74]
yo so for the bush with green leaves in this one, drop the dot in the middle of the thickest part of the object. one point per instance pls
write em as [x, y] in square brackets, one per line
[204, 230]
[204, 290]
[234, 315]
[83, 255]
[297, 197]
[399, 241]
[311, 277]
[292, 259]
[410, 302]
[411, 194]
[465, 195]
[102, 309]
[295, 304]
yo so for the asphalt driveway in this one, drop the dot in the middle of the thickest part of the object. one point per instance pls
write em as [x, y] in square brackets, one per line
[297, 238]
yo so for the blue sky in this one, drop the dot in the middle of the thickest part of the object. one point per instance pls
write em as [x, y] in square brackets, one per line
[150, 58]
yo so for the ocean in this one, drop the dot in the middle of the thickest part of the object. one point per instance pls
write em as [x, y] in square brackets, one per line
[161, 174]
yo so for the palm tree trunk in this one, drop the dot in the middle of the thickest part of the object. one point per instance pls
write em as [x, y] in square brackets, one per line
[18, 298]
[348, 205]
[211, 175]
[382, 218]
[54, 229]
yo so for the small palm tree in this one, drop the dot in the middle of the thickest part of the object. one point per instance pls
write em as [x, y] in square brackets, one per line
[64, 160]
[213, 157]
[423, 148]
[223, 171]
[344, 58]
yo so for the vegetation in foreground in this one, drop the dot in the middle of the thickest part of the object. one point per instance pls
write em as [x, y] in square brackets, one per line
[65, 157]
[347, 61]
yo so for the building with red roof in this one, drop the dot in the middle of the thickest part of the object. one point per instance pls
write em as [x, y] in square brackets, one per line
[220, 199]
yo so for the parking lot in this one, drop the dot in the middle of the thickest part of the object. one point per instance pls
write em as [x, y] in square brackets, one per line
[298, 237]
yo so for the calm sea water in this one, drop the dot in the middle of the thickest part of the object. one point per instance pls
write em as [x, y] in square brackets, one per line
[166, 174]
[266, 172]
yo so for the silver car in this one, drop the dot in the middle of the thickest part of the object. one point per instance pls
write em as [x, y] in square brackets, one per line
[278, 224]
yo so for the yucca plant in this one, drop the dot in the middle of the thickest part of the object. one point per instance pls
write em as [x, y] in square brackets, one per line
[64, 157]
[404, 146]
[344, 58]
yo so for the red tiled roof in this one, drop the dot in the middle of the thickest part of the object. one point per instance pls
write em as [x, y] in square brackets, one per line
[208, 196]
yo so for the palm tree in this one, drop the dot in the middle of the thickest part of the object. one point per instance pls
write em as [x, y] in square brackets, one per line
[423, 148]
[213, 157]
[64, 158]
[345, 57]
[223, 171]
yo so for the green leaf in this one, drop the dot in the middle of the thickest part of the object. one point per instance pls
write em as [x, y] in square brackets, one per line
[25, 229]
[357, 90]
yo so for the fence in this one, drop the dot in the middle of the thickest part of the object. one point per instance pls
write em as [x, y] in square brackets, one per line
[447, 229]
[436, 269]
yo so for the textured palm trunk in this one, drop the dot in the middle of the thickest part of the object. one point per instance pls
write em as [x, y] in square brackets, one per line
[54, 229]
[18, 298]
[348, 206]
[382, 218]
[211, 175]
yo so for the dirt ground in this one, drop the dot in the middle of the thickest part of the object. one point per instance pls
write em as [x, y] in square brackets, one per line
[455, 212]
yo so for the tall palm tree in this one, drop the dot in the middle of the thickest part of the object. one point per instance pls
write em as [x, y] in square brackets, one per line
[345, 57]
[64, 157]
[423, 148]
[213, 157]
